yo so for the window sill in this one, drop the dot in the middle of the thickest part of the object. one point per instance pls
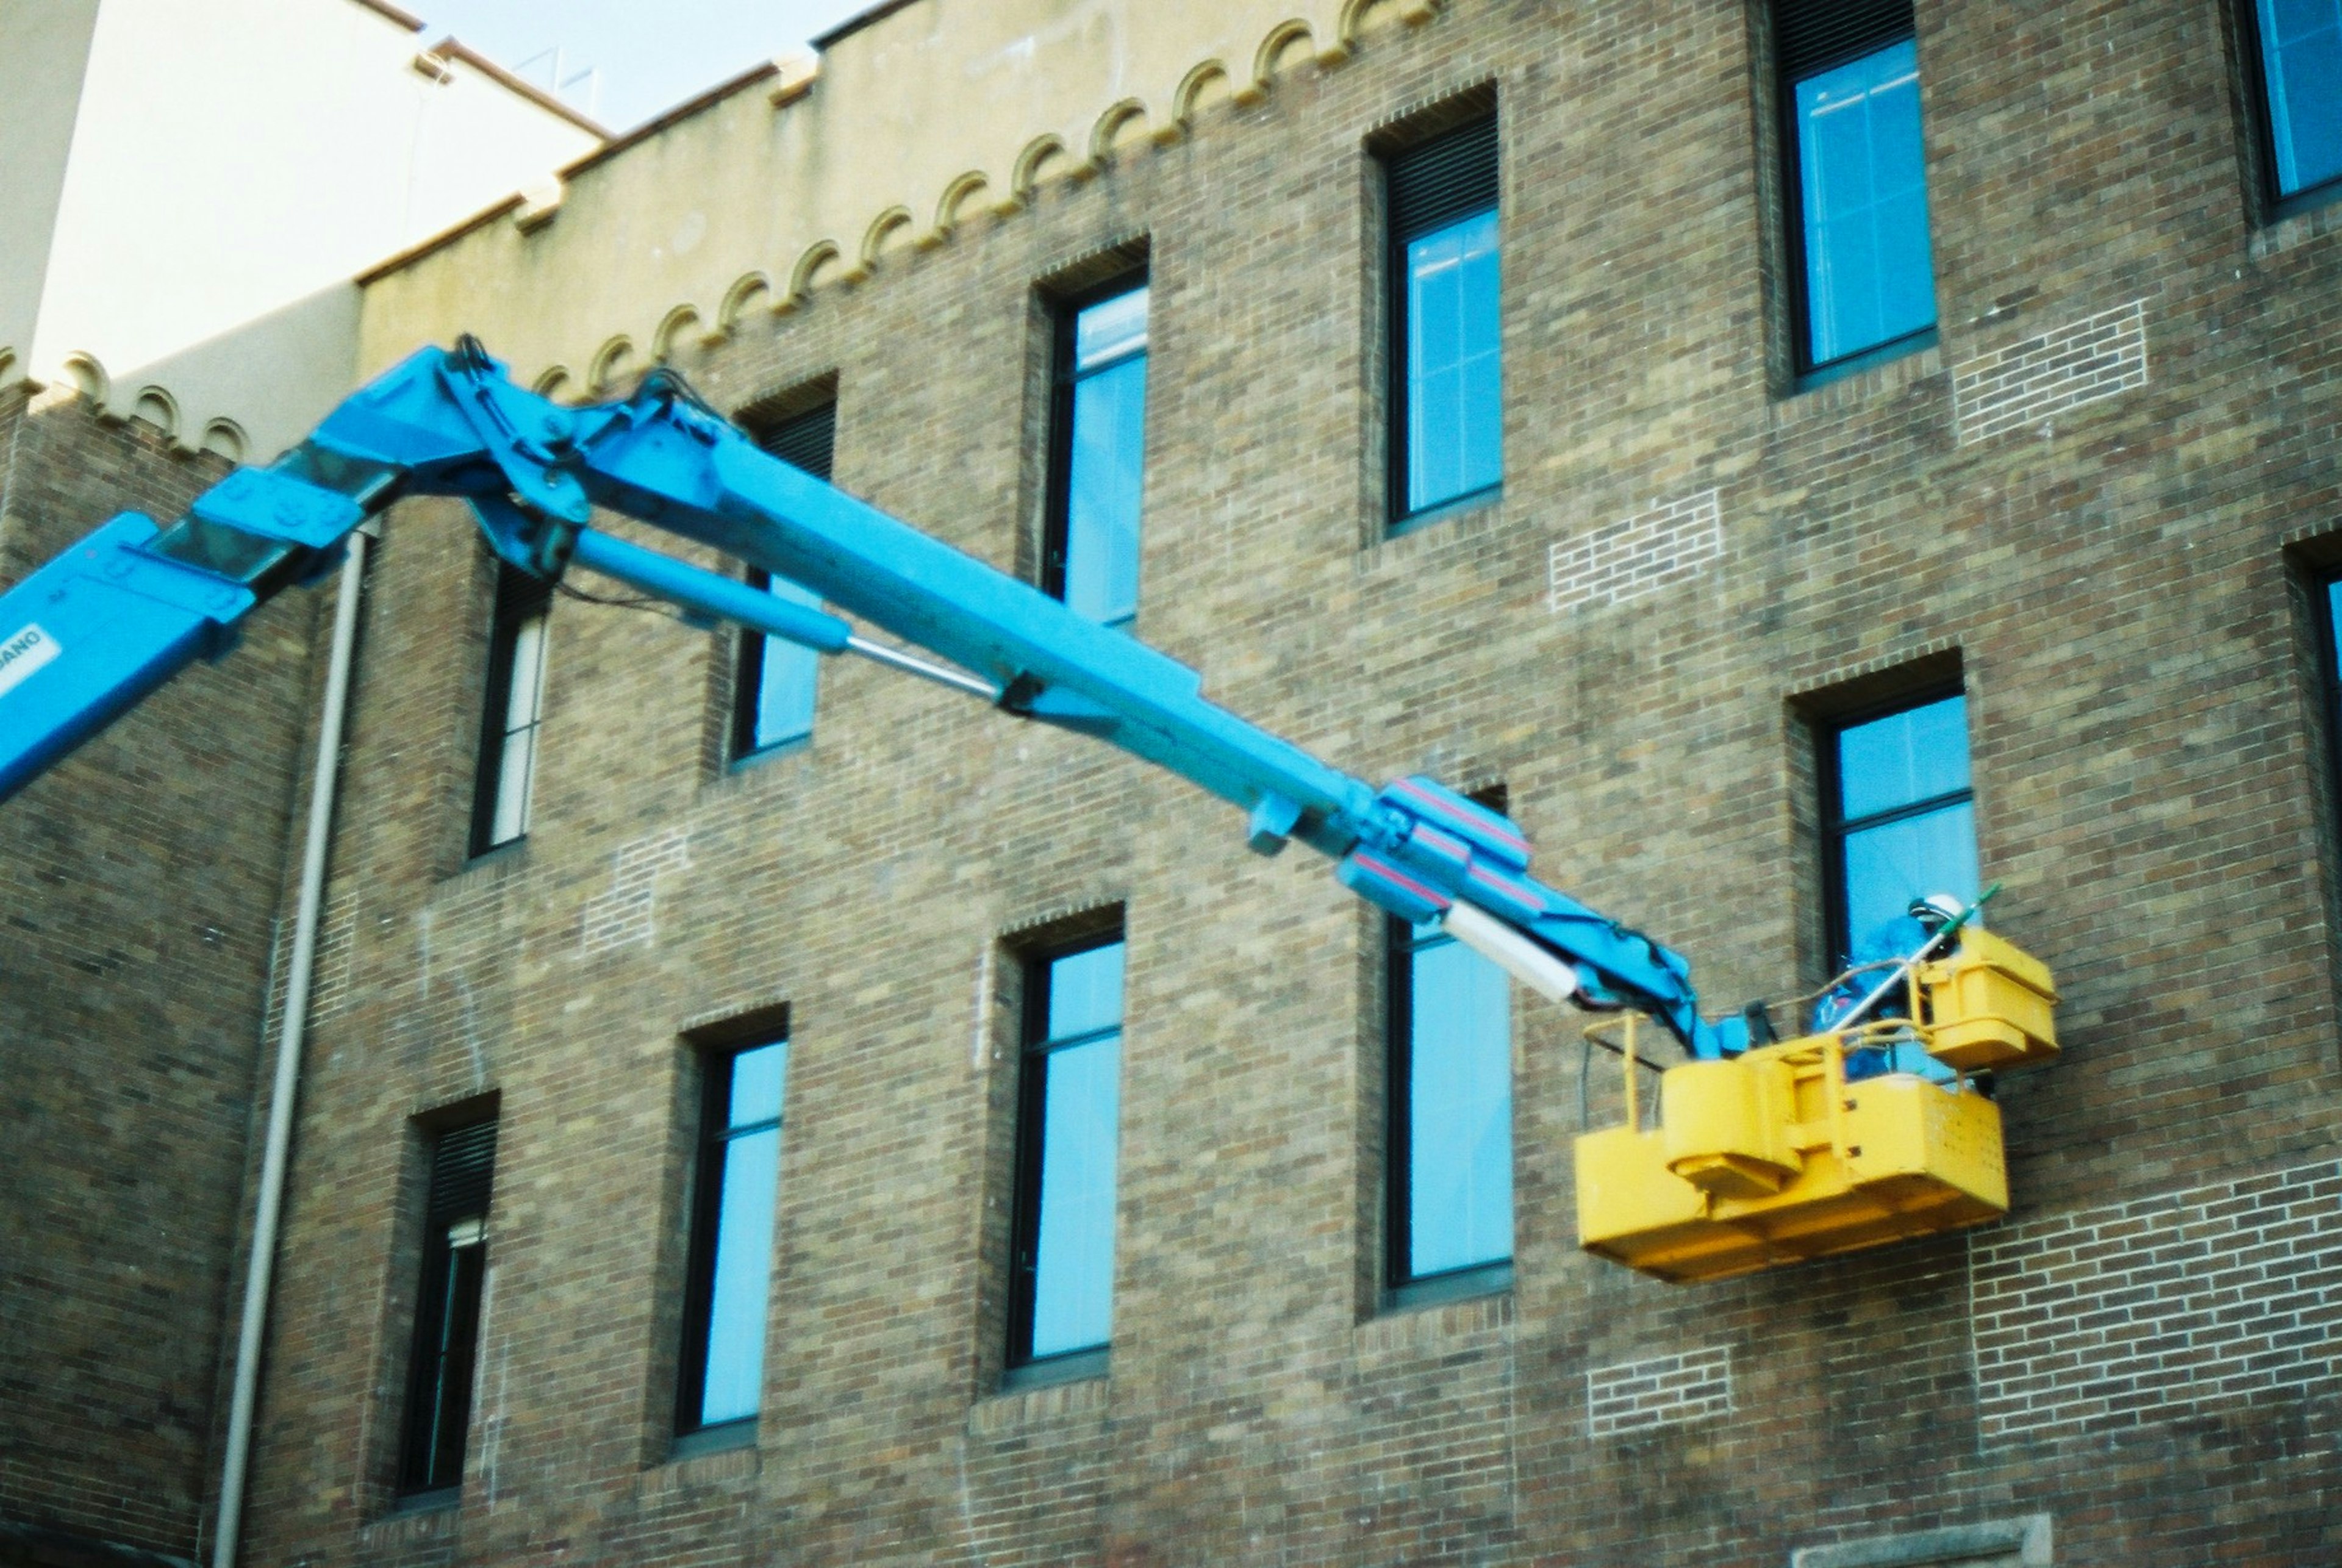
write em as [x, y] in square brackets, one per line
[512, 852]
[1868, 359]
[722, 1439]
[2298, 220]
[749, 761]
[441, 1499]
[1457, 531]
[1471, 501]
[2282, 208]
[1438, 1290]
[1905, 372]
[1079, 1366]
[1010, 1412]
[1403, 1336]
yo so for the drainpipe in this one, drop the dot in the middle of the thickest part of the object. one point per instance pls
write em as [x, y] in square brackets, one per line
[268, 1211]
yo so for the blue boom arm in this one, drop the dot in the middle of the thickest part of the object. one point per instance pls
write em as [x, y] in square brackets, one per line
[92, 633]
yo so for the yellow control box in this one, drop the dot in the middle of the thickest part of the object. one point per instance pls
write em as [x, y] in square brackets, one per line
[1988, 1007]
[1773, 1157]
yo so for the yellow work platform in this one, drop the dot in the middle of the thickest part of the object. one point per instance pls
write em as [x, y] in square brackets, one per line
[1773, 1156]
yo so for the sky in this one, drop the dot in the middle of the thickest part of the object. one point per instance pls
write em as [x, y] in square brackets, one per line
[647, 54]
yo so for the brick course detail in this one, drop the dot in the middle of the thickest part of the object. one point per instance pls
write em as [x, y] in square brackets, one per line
[626, 913]
[1652, 550]
[2137, 1311]
[2099, 357]
[1661, 1391]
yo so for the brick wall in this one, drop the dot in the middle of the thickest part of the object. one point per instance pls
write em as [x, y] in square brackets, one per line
[2115, 581]
[2031, 383]
[2128, 1313]
[140, 881]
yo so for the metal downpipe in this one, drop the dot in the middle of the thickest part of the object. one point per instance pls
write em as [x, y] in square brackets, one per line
[268, 1210]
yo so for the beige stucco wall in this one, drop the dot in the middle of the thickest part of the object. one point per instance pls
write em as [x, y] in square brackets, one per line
[236, 163]
[924, 116]
[44, 48]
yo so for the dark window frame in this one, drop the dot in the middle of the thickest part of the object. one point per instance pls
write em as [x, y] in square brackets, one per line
[435, 1420]
[2323, 586]
[805, 438]
[693, 1434]
[2277, 203]
[518, 598]
[1804, 372]
[1401, 1286]
[1398, 517]
[1836, 828]
[1021, 1367]
[1064, 376]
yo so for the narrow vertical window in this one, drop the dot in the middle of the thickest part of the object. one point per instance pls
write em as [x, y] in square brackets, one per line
[1061, 1306]
[1451, 1118]
[447, 1310]
[2300, 80]
[1098, 453]
[1447, 440]
[1899, 824]
[722, 1369]
[777, 680]
[2329, 659]
[1849, 74]
[514, 709]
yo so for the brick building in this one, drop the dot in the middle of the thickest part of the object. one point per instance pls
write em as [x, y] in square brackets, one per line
[187, 193]
[1788, 449]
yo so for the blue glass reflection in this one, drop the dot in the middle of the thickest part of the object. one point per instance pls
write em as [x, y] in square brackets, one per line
[786, 678]
[1459, 1111]
[1454, 416]
[2301, 62]
[1902, 759]
[1073, 1287]
[1869, 279]
[758, 1076]
[1110, 329]
[1107, 464]
[1085, 991]
[742, 1269]
[1890, 865]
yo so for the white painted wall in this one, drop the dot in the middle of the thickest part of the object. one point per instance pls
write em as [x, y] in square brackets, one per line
[43, 49]
[236, 162]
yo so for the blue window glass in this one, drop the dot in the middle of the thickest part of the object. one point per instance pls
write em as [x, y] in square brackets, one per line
[1069, 1123]
[1452, 1112]
[1446, 384]
[1455, 419]
[732, 1244]
[1902, 825]
[778, 680]
[1100, 447]
[1863, 202]
[2301, 79]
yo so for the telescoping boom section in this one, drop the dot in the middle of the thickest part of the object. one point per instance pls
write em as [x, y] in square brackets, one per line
[92, 632]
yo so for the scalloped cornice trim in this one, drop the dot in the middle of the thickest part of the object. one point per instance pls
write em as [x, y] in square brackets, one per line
[1129, 127]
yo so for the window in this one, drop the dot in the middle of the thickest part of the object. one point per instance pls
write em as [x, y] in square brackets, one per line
[1856, 172]
[721, 1377]
[515, 708]
[1899, 822]
[774, 693]
[1061, 1295]
[1451, 1118]
[1447, 440]
[2300, 82]
[447, 1310]
[1098, 453]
